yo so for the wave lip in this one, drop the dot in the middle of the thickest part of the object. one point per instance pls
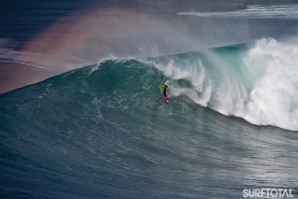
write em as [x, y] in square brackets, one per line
[253, 11]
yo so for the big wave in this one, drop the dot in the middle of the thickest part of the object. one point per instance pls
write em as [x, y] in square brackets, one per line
[257, 82]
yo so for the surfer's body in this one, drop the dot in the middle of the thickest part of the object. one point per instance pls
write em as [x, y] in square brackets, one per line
[165, 89]
[164, 93]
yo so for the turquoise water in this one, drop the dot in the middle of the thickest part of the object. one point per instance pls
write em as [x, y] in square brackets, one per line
[103, 131]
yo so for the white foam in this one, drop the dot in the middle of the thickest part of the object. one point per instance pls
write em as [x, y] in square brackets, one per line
[253, 11]
[274, 97]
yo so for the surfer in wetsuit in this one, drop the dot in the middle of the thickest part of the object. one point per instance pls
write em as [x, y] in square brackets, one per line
[165, 89]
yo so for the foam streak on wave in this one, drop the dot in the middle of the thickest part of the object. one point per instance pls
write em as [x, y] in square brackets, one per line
[253, 11]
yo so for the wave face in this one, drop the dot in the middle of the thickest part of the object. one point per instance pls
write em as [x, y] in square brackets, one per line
[103, 131]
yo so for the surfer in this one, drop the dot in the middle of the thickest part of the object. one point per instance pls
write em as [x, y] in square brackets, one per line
[165, 89]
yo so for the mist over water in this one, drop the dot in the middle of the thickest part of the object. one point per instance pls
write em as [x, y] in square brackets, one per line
[112, 33]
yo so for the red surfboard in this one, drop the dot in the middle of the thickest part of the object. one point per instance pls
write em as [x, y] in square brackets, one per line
[165, 98]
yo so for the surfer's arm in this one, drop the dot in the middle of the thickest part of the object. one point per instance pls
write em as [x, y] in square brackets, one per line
[167, 89]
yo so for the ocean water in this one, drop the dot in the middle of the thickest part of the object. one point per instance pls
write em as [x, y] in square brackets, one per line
[99, 128]
[103, 131]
